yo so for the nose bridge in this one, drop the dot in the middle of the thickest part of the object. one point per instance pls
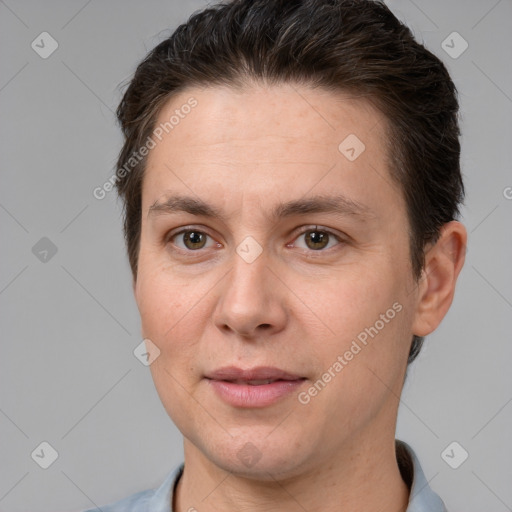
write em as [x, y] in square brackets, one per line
[248, 277]
[249, 297]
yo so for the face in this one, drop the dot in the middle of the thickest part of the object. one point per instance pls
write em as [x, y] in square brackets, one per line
[274, 247]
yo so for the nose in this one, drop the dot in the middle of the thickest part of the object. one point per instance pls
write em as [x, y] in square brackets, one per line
[252, 300]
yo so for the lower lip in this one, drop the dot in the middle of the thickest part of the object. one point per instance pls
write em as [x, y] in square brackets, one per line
[245, 395]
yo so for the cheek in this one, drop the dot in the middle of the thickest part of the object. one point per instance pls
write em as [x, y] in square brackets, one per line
[175, 313]
[161, 298]
[163, 310]
[349, 301]
[364, 321]
[367, 359]
[170, 320]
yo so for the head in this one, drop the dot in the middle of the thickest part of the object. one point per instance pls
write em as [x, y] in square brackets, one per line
[320, 138]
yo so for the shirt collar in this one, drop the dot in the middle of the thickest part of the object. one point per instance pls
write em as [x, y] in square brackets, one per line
[421, 498]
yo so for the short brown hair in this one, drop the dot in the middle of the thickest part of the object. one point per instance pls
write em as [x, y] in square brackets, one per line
[355, 46]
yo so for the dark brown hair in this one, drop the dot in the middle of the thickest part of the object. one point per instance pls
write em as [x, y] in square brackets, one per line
[355, 46]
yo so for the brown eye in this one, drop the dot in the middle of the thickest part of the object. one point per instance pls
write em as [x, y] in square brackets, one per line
[316, 240]
[194, 240]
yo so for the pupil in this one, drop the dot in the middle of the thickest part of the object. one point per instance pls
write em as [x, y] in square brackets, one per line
[194, 240]
[318, 240]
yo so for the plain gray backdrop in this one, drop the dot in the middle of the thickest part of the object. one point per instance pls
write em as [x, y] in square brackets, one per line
[69, 323]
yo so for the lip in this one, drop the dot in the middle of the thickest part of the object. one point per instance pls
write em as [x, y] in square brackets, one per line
[231, 385]
[256, 373]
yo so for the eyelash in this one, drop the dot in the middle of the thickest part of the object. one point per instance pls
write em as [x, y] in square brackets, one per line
[171, 237]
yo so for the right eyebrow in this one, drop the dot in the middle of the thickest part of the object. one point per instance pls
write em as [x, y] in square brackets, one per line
[185, 204]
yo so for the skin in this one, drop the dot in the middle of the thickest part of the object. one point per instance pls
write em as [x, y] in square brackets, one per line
[293, 307]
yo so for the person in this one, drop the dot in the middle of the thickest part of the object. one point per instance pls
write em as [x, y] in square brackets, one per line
[291, 183]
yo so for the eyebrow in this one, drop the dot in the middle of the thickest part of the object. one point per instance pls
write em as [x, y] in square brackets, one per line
[339, 205]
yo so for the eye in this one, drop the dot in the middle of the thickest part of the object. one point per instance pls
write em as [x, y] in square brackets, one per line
[316, 239]
[191, 240]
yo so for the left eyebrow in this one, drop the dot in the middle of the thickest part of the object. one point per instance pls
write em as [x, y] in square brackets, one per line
[338, 204]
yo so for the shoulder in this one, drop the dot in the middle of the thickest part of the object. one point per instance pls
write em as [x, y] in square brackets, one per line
[132, 503]
[151, 500]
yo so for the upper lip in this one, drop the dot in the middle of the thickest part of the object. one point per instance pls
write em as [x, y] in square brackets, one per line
[257, 373]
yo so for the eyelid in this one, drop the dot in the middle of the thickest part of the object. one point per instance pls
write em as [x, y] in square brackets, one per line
[183, 229]
[315, 227]
[296, 234]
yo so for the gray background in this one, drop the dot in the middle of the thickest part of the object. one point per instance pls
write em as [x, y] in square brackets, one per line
[68, 375]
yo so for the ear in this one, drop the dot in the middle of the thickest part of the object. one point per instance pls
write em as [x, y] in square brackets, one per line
[436, 287]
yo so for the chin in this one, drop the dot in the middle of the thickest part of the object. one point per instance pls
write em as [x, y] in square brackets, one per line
[264, 460]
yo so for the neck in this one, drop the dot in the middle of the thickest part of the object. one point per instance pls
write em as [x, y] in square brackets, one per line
[362, 476]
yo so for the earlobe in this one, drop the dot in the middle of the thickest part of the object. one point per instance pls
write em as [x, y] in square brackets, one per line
[443, 263]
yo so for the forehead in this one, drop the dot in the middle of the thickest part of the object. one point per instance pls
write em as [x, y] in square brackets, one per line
[286, 112]
[264, 141]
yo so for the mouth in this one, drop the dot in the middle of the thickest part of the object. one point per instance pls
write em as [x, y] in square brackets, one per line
[259, 374]
[255, 387]
[260, 382]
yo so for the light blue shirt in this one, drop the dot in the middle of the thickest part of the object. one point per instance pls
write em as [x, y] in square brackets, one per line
[421, 498]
